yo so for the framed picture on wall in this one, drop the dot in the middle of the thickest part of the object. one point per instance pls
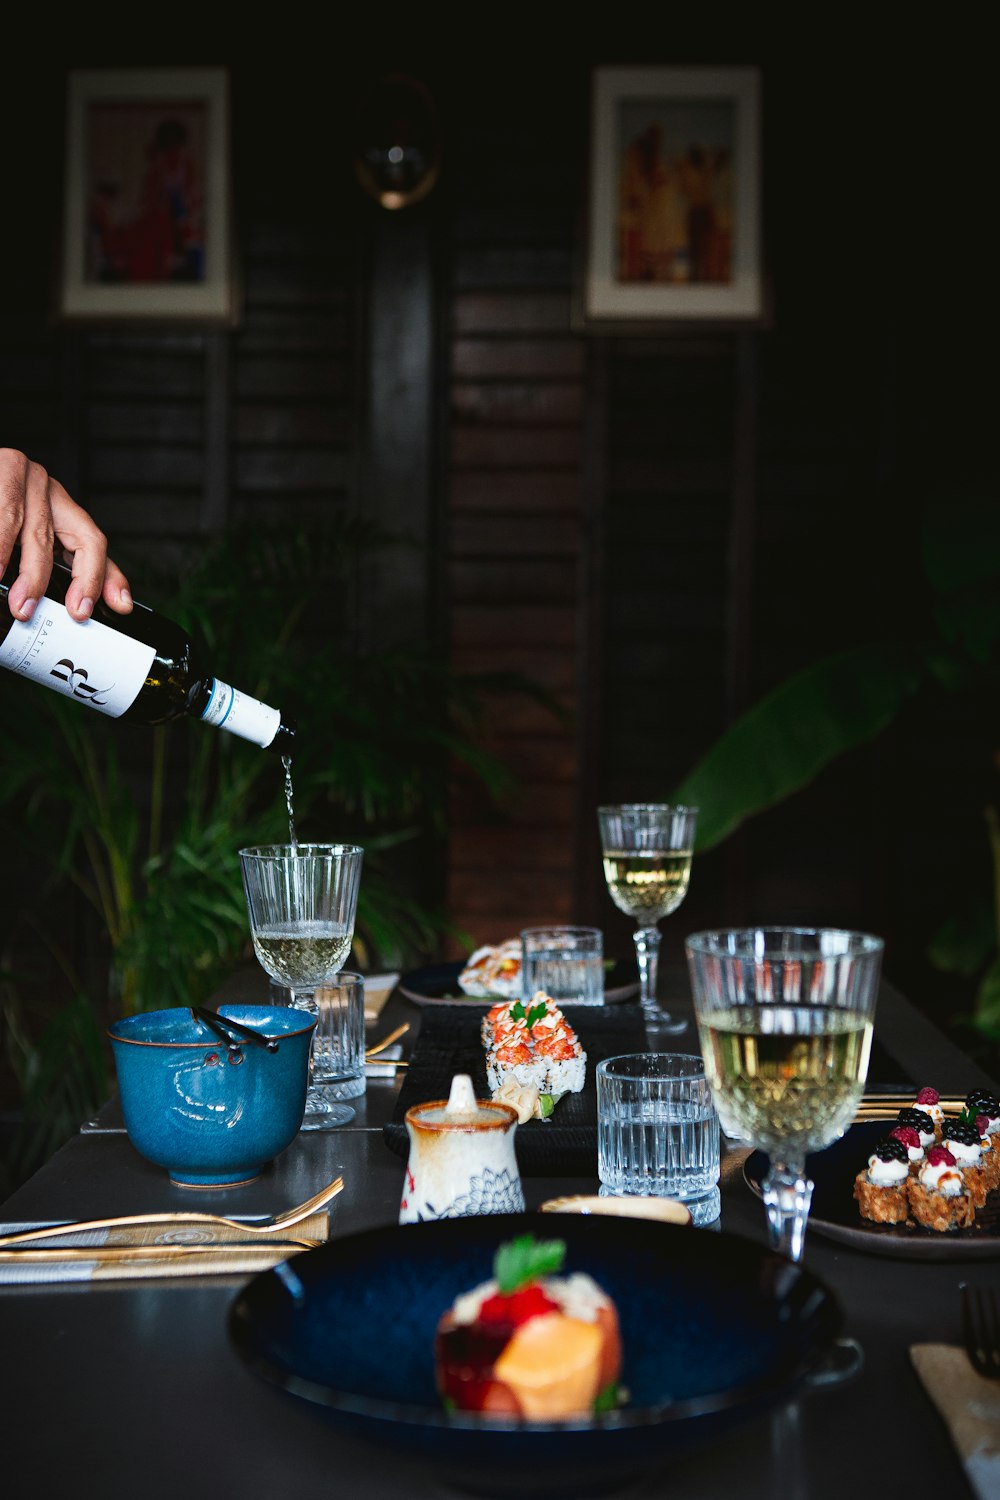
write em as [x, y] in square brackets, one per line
[147, 224]
[673, 228]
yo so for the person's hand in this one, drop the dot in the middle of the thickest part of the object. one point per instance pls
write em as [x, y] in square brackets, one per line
[36, 512]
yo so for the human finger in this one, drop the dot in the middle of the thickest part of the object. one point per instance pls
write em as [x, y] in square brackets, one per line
[34, 535]
[86, 549]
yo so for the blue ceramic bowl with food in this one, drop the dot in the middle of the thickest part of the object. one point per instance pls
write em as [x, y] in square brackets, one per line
[713, 1330]
[212, 1114]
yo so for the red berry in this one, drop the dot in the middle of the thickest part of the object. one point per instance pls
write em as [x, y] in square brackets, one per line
[982, 1123]
[515, 1308]
[928, 1096]
[906, 1134]
[940, 1156]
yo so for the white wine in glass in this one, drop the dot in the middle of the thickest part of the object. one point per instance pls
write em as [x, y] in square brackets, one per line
[302, 900]
[647, 848]
[785, 1019]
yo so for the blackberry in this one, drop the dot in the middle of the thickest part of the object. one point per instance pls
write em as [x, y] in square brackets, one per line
[918, 1118]
[891, 1150]
[982, 1102]
[962, 1133]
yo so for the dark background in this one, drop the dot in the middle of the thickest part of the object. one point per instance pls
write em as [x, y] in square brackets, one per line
[656, 528]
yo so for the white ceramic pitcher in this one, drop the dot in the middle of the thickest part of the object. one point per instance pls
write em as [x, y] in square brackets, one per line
[461, 1159]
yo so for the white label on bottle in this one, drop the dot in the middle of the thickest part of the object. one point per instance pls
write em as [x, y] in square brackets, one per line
[82, 659]
[240, 714]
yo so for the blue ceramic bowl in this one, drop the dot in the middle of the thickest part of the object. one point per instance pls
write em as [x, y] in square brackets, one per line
[214, 1117]
[715, 1329]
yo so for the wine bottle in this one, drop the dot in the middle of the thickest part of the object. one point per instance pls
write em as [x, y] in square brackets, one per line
[139, 667]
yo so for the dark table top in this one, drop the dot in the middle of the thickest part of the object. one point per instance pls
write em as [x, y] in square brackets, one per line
[133, 1389]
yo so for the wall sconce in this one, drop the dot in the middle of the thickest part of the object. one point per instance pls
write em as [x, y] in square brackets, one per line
[397, 159]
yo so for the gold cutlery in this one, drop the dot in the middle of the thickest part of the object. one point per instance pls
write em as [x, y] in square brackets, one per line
[31, 1254]
[887, 1106]
[272, 1226]
[386, 1041]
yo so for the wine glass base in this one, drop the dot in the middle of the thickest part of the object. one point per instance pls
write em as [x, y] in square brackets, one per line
[323, 1113]
[662, 1021]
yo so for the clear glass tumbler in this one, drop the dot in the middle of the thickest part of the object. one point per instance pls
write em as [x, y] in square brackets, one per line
[658, 1130]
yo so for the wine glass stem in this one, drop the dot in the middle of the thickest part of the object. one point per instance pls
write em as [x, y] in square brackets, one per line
[787, 1193]
[647, 952]
[305, 999]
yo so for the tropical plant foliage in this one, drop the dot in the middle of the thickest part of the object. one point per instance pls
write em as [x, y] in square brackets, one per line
[132, 836]
[948, 645]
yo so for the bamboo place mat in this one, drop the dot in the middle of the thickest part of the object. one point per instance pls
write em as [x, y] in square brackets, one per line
[142, 1251]
[449, 1042]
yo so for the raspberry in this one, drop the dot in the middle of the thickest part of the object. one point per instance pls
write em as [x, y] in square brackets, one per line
[940, 1156]
[928, 1096]
[983, 1123]
[515, 1308]
[906, 1134]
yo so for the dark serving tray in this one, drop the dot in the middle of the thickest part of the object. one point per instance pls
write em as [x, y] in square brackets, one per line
[449, 1043]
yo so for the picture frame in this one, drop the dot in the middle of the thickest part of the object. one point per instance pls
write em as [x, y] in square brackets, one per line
[147, 219]
[673, 215]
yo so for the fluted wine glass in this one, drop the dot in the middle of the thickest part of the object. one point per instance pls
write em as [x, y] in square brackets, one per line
[785, 1020]
[302, 900]
[647, 849]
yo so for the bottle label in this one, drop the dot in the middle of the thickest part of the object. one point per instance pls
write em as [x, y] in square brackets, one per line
[241, 714]
[82, 659]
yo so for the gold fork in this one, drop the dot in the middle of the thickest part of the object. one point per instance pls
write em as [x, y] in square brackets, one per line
[274, 1225]
[386, 1041]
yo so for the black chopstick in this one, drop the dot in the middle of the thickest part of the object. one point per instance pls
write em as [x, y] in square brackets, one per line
[218, 1024]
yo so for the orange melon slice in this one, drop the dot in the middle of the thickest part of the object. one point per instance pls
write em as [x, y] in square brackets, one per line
[553, 1366]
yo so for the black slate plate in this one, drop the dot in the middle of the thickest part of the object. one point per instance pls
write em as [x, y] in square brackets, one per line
[835, 1214]
[449, 1042]
[437, 984]
[715, 1330]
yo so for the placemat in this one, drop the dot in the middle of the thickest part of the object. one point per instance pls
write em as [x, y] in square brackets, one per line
[449, 1043]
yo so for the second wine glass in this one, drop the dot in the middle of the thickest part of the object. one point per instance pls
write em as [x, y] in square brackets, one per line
[647, 849]
[302, 900]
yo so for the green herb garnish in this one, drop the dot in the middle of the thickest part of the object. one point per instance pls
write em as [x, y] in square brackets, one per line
[524, 1260]
[530, 1016]
[609, 1399]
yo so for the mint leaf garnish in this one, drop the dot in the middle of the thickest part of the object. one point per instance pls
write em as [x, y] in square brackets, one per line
[526, 1259]
[535, 1013]
[609, 1399]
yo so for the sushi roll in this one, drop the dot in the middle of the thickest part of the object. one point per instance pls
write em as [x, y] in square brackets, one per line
[531, 1342]
[983, 1109]
[493, 971]
[938, 1196]
[532, 1044]
[880, 1189]
[965, 1143]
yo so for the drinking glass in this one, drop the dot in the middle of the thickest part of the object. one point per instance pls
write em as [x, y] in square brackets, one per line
[785, 1020]
[302, 900]
[647, 849]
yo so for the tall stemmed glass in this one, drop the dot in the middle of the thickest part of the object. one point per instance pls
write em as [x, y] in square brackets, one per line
[647, 849]
[302, 900]
[785, 1019]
